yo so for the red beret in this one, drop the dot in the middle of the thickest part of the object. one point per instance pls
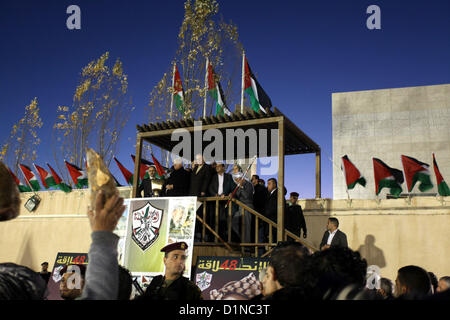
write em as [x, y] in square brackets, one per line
[175, 246]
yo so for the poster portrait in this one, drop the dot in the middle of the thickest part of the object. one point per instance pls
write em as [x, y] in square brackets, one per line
[153, 223]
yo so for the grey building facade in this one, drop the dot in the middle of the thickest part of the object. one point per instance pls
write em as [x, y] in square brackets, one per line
[414, 121]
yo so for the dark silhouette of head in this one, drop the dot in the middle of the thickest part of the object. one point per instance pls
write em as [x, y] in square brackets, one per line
[20, 283]
[412, 282]
[328, 272]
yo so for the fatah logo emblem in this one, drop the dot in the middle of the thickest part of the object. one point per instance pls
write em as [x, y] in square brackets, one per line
[203, 280]
[146, 224]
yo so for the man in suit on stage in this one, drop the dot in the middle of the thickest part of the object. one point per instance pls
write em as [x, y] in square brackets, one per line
[221, 185]
[333, 237]
[294, 221]
[244, 194]
[270, 211]
[200, 178]
[271, 205]
[151, 185]
[260, 194]
[177, 185]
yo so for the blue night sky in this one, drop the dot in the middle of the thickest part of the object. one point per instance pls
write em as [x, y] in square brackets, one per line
[301, 51]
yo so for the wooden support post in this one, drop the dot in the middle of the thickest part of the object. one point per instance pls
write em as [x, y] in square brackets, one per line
[256, 235]
[318, 175]
[270, 234]
[217, 220]
[280, 182]
[204, 219]
[229, 221]
[137, 165]
[242, 228]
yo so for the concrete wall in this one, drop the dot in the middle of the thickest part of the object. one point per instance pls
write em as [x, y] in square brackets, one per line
[386, 124]
[388, 233]
[59, 224]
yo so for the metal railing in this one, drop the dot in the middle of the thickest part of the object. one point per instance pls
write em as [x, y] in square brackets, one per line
[219, 241]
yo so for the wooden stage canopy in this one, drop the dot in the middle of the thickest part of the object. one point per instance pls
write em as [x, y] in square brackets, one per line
[290, 141]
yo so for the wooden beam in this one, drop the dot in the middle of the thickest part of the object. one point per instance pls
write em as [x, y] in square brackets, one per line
[137, 164]
[318, 175]
[225, 125]
[280, 182]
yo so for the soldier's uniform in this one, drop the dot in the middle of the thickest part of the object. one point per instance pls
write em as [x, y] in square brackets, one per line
[179, 289]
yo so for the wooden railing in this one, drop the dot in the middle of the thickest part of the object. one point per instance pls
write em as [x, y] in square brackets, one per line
[218, 240]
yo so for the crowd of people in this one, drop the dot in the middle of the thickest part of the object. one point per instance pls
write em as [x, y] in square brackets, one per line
[211, 180]
[293, 273]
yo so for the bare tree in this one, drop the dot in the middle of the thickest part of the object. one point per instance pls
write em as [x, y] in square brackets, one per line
[202, 35]
[99, 111]
[21, 145]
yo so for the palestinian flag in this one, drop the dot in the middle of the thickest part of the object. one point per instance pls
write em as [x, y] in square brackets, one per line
[143, 174]
[387, 177]
[127, 174]
[46, 178]
[159, 168]
[30, 177]
[258, 97]
[352, 174]
[416, 171]
[215, 91]
[443, 189]
[178, 92]
[79, 177]
[59, 183]
[20, 185]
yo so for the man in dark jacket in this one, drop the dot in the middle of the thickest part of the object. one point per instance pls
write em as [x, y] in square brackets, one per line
[333, 237]
[271, 205]
[244, 194]
[270, 211]
[172, 286]
[177, 185]
[294, 220]
[148, 185]
[221, 185]
[200, 178]
[260, 195]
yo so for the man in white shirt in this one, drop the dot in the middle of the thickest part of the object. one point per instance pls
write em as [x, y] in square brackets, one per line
[221, 185]
[333, 237]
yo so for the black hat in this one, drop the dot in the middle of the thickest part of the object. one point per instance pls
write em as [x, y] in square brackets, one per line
[294, 194]
[175, 246]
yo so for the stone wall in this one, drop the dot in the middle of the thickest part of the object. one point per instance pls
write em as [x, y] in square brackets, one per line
[388, 233]
[386, 124]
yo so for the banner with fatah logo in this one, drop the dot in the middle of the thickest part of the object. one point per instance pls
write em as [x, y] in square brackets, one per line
[151, 224]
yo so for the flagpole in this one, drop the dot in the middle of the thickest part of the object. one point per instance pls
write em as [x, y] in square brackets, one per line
[345, 181]
[206, 87]
[243, 81]
[346, 189]
[173, 85]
